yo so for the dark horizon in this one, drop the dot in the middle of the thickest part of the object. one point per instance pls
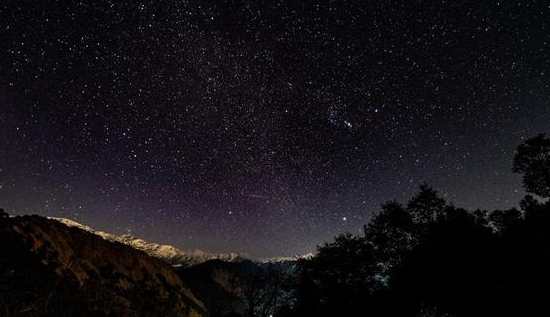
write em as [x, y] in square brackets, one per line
[263, 128]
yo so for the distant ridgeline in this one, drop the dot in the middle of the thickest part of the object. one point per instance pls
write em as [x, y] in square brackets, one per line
[167, 253]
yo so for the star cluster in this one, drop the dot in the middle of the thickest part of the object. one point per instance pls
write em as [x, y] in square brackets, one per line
[263, 127]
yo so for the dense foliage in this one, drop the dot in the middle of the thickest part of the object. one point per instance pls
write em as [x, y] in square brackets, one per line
[429, 258]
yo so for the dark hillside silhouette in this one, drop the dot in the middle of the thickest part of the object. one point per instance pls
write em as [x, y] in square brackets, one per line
[50, 269]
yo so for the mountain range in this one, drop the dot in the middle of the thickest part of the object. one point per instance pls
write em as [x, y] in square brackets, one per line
[59, 267]
[50, 269]
[226, 283]
[167, 253]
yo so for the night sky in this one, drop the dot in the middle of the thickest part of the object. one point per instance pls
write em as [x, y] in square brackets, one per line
[263, 127]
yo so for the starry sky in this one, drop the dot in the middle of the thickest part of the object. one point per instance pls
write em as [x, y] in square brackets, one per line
[263, 127]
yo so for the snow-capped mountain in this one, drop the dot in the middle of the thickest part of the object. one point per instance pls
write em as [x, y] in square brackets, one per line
[168, 253]
[287, 258]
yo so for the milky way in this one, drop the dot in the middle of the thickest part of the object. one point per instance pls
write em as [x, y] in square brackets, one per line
[263, 127]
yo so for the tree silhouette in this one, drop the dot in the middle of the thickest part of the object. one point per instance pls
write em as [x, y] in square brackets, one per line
[425, 206]
[391, 232]
[451, 269]
[533, 161]
[339, 279]
[430, 259]
[503, 220]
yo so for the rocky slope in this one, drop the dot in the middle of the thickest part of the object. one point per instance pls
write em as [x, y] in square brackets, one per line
[50, 269]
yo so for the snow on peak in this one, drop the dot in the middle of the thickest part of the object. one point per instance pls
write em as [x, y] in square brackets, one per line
[168, 253]
[287, 258]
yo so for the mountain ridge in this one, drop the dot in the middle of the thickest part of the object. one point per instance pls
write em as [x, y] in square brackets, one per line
[57, 270]
[168, 253]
